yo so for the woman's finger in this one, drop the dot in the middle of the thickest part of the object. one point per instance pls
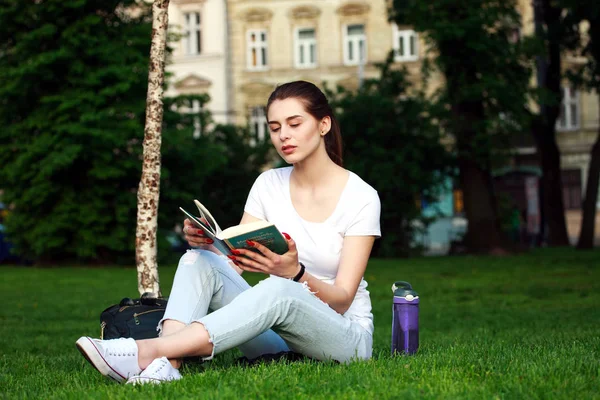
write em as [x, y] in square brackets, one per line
[193, 230]
[248, 268]
[258, 266]
[195, 241]
[264, 251]
[252, 255]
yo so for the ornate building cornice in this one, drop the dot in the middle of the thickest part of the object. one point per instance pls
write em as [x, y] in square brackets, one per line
[305, 12]
[256, 15]
[353, 8]
[193, 83]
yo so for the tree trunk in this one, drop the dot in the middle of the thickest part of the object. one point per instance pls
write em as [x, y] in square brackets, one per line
[549, 76]
[588, 220]
[551, 182]
[483, 232]
[149, 188]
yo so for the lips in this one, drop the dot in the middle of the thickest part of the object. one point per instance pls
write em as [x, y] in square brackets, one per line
[288, 149]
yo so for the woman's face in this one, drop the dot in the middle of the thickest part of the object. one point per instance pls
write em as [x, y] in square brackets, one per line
[294, 132]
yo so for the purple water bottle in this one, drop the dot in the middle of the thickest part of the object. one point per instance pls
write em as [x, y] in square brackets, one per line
[405, 319]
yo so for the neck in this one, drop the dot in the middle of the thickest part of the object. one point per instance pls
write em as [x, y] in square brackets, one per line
[315, 170]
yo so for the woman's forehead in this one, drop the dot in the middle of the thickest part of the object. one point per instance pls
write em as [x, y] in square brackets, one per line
[282, 109]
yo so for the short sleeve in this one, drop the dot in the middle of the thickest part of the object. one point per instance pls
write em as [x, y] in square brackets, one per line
[366, 222]
[254, 205]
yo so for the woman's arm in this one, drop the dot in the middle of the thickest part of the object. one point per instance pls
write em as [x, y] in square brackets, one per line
[339, 296]
[248, 218]
[353, 263]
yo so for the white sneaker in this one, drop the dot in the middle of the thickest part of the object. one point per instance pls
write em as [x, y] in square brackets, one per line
[160, 370]
[115, 358]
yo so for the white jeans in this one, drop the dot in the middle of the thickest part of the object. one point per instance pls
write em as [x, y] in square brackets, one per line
[275, 315]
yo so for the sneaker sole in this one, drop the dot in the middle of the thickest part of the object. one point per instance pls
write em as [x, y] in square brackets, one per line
[143, 380]
[88, 349]
[136, 380]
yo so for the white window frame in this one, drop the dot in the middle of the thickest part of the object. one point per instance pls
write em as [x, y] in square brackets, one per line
[258, 122]
[406, 35]
[354, 41]
[192, 37]
[258, 46]
[307, 46]
[197, 122]
[570, 112]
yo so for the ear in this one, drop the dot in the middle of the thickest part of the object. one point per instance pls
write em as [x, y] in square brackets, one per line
[325, 126]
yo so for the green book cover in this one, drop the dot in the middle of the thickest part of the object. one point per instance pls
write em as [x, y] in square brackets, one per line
[268, 236]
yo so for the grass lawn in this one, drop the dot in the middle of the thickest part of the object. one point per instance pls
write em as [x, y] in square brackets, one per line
[525, 326]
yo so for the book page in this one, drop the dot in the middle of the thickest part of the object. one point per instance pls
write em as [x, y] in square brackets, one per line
[243, 228]
[218, 243]
[199, 223]
[208, 216]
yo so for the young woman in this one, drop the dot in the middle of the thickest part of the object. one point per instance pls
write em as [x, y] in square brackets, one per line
[315, 301]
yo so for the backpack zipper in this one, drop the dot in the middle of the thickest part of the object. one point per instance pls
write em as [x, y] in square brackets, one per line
[136, 315]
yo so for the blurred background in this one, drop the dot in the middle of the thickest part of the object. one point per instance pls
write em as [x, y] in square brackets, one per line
[476, 120]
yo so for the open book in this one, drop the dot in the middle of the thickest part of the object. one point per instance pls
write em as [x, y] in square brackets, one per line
[235, 237]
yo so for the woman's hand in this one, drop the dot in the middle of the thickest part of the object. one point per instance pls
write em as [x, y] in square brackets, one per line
[195, 236]
[267, 262]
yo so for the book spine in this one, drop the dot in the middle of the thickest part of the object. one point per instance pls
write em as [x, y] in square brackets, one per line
[223, 246]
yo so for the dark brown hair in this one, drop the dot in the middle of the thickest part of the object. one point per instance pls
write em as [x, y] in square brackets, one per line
[316, 104]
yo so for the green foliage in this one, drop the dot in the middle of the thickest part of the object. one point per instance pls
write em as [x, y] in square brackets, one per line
[391, 141]
[188, 160]
[71, 112]
[245, 156]
[486, 71]
[218, 168]
[520, 327]
[585, 44]
[72, 103]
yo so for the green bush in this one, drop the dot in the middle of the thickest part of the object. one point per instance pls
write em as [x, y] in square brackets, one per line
[72, 104]
[391, 141]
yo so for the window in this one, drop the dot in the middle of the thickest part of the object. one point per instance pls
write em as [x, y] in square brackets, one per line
[406, 44]
[355, 43]
[306, 48]
[258, 122]
[192, 39]
[195, 110]
[568, 118]
[257, 49]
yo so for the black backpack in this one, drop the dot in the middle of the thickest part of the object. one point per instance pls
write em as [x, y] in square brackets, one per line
[134, 318]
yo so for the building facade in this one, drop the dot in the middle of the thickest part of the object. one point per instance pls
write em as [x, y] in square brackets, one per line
[336, 42]
[577, 128]
[238, 51]
[200, 60]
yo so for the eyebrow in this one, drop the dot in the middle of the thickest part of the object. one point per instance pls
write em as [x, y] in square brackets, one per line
[287, 119]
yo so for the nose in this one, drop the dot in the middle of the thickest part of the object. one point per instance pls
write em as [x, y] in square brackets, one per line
[284, 133]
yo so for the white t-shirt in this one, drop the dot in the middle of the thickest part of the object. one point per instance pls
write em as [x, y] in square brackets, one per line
[320, 243]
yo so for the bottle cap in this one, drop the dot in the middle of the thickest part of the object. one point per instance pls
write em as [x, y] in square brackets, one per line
[404, 289]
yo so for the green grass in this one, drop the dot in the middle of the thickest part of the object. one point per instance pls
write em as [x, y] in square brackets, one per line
[516, 327]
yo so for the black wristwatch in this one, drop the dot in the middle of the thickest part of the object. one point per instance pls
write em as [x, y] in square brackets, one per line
[299, 275]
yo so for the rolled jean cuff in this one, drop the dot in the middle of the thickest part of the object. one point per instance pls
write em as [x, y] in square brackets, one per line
[159, 326]
[210, 340]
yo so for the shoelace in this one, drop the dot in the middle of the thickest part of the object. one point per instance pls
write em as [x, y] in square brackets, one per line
[155, 367]
[121, 347]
